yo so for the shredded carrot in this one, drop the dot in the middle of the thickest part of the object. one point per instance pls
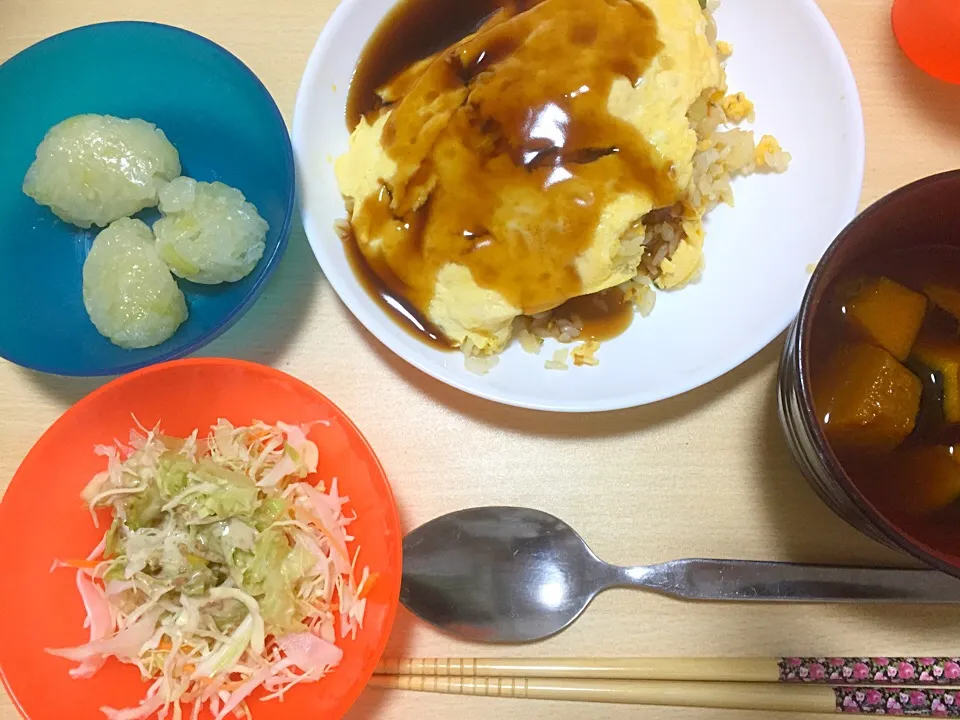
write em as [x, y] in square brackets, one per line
[371, 581]
[165, 645]
[229, 685]
[189, 668]
[327, 534]
[257, 437]
[82, 564]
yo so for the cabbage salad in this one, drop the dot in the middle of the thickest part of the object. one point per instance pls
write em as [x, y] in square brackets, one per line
[221, 571]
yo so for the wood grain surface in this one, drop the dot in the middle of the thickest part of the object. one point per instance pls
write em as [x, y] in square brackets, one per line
[705, 474]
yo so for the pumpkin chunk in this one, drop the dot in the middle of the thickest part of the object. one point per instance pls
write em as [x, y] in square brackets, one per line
[940, 474]
[944, 297]
[942, 355]
[866, 399]
[888, 314]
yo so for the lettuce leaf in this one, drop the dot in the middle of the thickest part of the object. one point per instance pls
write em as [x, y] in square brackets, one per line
[199, 578]
[270, 576]
[269, 512]
[144, 509]
[172, 474]
[236, 495]
[113, 540]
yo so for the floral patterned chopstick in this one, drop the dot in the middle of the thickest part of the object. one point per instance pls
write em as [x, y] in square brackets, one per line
[917, 702]
[871, 670]
[793, 697]
[917, 671]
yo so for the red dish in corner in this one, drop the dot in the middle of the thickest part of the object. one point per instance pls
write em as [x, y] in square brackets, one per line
[42, 518]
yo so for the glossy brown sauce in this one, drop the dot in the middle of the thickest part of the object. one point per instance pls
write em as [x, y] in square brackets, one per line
[411, 31]
[382, 286]
[506, 154]
[886, 479]
[603, 315]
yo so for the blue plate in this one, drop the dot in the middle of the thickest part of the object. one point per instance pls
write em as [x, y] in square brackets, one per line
[213, 109]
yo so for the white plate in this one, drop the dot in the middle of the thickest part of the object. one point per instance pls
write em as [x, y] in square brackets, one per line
[789, 62]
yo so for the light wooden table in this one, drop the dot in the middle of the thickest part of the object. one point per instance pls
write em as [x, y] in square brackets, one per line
[706, 474]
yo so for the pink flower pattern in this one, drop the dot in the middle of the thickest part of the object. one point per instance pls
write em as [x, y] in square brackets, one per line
[881, 670]
[889, 672]
[938, 702]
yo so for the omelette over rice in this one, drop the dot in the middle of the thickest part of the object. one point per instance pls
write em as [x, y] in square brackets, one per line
[566, 148]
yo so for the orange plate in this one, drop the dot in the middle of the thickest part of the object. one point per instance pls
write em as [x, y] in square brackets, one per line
[42, 518]
[929, 33]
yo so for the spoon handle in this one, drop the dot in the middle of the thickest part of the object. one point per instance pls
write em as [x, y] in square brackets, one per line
[791, 582]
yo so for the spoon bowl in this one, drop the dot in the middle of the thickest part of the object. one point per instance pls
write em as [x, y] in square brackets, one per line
[499, 574]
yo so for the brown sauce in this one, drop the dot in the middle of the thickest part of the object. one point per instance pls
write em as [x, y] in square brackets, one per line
[393, 303]
[520, 154]
[896, 481]
[411, 31]
[603, 315]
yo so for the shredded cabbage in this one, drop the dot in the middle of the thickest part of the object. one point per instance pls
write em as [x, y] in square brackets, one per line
[221, 570]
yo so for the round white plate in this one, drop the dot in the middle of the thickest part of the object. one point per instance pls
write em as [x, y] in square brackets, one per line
[790, 63]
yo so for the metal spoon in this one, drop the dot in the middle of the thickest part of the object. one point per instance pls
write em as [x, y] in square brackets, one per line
[506, 574]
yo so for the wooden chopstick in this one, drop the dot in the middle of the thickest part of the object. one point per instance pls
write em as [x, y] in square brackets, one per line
[921, 671]
[771, 697]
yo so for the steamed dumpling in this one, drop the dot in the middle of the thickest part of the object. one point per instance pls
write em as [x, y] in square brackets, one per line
[94, 169]
[128, 291]
[209, 233]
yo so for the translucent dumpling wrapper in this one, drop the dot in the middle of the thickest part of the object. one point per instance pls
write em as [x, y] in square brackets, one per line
[128, 290]
[208, 233]
[94, 169]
